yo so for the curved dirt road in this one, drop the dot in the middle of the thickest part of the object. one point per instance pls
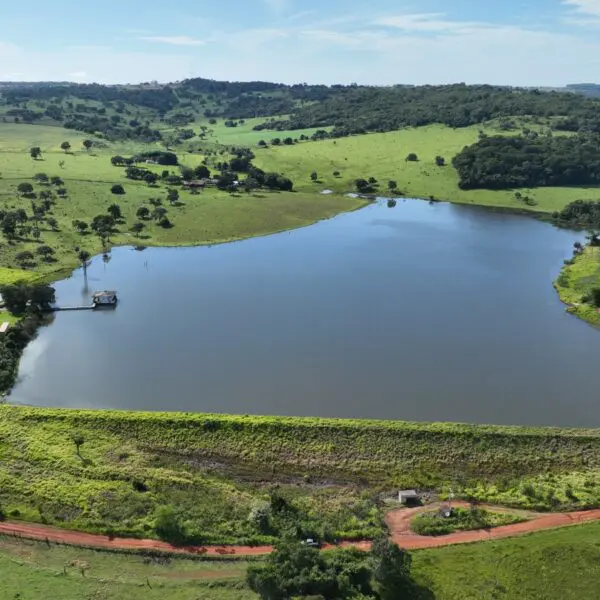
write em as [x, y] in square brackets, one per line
[398, 522]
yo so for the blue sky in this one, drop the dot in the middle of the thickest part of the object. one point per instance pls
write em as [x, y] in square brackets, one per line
[519, 42]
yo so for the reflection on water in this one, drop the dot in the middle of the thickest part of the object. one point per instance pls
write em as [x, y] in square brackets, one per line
[420, 312]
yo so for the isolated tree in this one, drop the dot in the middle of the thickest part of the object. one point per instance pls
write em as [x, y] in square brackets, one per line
[262, 143]
[150, 178]
[137, 228]
[288, 141]
[61, 164]
[117, 161]
[172, 196]
[363, 186]
[84, 256]
[168, 526]
[392, 185]
[25, 188]
[336, 173]
[314, 176]
[440, 161]
[35, 152]
[114, 210]
[87, 144]
[65, 146]
[36, 233]
[276, 141]
[202, 172]
[41, 177]
[117, 189]
[53, 223]
[142, 212]
[81, 226]
[78, 440]
[103, 224]
[62, 192]
[46, 252]
[412, 157]
[25, 257]
[55, 180]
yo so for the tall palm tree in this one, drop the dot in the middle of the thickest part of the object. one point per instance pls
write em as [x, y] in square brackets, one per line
[84, 256]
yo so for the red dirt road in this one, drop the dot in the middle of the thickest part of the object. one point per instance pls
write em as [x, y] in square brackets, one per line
[398, 522]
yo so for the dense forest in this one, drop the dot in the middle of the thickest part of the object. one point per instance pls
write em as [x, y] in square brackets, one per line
[500, 162]
[581, 213]
[130, 112]
[358, 109]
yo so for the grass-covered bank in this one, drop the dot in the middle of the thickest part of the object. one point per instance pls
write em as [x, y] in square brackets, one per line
[576, 283]
[209, 217]
[550, 565]
[226, 479]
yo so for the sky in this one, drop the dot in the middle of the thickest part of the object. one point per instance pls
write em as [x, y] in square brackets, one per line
[378, 42]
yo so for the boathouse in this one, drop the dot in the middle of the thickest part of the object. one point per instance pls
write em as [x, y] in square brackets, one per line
[105, 298]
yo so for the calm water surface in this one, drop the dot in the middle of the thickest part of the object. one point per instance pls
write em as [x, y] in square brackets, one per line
[423, 312]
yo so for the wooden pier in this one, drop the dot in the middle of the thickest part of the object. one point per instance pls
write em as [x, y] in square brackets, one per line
[71, 308]
[106, 299]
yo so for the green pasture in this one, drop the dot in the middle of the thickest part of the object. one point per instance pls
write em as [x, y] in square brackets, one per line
[206, 218]
[244, 134]
[561, 564]
[383, 156]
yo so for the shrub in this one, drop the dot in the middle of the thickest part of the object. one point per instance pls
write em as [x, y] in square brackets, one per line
[168, 526]
[117, 189]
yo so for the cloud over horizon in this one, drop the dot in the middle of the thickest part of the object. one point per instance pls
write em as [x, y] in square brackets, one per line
[341, 41]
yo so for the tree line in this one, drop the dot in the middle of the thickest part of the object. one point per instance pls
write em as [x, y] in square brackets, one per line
[348, 109]
[30, 302]
[504, 162]
[355, 110]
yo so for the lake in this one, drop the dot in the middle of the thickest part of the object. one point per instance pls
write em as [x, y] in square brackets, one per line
[432, 312]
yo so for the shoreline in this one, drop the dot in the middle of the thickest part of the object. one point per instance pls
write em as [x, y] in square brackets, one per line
[570, 276]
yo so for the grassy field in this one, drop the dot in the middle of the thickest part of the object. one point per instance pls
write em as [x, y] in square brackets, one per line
[213, 216]
[382, 155]
[216, 470]
[31, 570]
[550, 565]
[576, 280]
[210, 217]
[244, 135]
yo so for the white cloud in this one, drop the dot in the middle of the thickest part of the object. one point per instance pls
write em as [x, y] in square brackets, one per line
[588, 7]
[77, 75]
[279, 7]
[425, 22]
[174, 40]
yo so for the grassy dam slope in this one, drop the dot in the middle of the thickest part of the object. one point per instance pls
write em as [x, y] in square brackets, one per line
[338, 475]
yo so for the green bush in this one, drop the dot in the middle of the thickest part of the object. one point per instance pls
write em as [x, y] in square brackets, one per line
[433, 523]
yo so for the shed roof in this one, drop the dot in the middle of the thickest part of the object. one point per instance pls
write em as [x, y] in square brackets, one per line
[408, 493]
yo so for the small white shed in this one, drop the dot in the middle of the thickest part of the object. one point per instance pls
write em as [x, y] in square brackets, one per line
[408, 496]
